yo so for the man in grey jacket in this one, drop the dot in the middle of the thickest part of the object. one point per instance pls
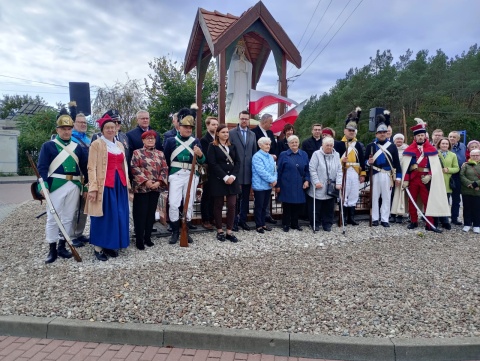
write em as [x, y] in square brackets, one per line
[245, 143]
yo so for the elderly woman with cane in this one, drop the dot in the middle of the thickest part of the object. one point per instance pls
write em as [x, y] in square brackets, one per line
[325, 172]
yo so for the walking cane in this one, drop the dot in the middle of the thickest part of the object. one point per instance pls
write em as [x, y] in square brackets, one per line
[314, 214]
[341, 213]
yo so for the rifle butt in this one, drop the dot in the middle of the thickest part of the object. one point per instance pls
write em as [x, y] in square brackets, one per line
[184, 235]
[76, 255]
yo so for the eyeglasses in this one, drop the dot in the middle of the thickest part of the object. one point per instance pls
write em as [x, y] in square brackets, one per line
[150, 138]
[244, 118]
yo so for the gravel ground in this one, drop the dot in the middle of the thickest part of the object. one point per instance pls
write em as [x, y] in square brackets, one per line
[371, 282]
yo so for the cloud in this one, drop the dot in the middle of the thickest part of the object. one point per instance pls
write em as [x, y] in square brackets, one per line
[102, 41]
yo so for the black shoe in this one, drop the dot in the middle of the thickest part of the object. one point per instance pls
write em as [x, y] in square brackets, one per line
[149, 243]
[412, 225]
[267, 228]
[351, 216]
[385, 224]
[298, 228]
[83, 239]
[221, 236]
[77, 243]
[392, 219]
[399, 219]
[270, 220]
[100, 256]
[235, 228]
[190, 239]
[52, 255]
[286, 228]
[169, 229]
[231, 238]
[327, 229]
[175, 232]
[190, 225]
[244, 226]
[317, 228]
[110, 252]
[140, 245]
[260, 230]
[62, 251]
[430, 229]
[375, 223]
[457, 222]
[447, 226]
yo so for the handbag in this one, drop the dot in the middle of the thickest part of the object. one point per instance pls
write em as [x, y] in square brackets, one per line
[451, 183]
[331, 190]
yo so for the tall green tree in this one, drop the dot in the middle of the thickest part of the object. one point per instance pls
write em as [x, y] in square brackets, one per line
[168, 89]
[13, 103]
[128, 98]
[34, 131]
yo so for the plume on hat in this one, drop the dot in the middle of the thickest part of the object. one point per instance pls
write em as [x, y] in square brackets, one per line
[354, 116]
[383, 118]
[419, 121]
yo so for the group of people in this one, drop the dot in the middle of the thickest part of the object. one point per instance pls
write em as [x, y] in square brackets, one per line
[93, 177]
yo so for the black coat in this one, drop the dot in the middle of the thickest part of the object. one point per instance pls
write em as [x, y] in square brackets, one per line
[259, 134]
[206, 141]
[218, 167]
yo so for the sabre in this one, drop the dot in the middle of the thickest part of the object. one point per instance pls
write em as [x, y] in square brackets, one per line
[418, 209]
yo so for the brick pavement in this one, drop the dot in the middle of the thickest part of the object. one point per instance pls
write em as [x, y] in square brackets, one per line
[35, 349]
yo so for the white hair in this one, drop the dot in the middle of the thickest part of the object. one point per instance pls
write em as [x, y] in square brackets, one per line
[264, 140]
[328, 140]
[291, 138]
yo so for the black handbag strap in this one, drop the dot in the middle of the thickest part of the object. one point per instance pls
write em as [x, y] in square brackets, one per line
[326, 167]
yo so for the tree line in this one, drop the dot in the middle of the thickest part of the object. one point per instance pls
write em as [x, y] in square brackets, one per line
[444, 92]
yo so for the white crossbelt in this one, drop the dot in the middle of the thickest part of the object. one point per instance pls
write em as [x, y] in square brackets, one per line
[62, 156]
[182, 165]
[183, 145]
[66, 176]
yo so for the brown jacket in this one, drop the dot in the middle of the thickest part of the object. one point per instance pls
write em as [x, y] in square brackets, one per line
[97, 170]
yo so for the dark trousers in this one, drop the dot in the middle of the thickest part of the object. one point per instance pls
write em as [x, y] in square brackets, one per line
[243, 203]
[324, 210]
[143, 211]
[471, 213]
[262, 200]
[456, 197]
[291, 212]
[218, 207]
[206, 204]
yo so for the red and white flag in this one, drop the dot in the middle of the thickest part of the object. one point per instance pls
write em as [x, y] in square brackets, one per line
[288, 118]
[260, 100]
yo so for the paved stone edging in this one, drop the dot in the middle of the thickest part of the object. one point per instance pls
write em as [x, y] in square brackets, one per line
[273, 343]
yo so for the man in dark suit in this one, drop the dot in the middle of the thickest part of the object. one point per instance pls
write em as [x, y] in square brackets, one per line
[206, 204]
[246, 145]
[263, 130]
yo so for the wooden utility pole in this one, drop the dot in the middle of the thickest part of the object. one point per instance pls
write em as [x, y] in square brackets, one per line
[404, 125]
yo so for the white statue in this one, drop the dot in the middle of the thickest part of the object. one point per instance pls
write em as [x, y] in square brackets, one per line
[238, 84]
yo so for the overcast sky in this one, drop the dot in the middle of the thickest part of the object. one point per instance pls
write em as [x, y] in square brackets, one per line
[56, 41]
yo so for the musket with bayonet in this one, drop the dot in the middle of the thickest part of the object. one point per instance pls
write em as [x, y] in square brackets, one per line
[52, 210]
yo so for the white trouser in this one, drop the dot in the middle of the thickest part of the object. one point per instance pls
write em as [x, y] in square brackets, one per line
[177, 190]
[352, 188]
[381, 187]
[65, 201]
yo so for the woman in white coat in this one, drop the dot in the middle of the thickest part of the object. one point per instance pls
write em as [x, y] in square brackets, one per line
[325, 160]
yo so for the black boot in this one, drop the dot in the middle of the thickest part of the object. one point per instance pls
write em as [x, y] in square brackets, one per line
[139, 244]
[62, 251]
[351, 216]
[175, 232]
[52, 255]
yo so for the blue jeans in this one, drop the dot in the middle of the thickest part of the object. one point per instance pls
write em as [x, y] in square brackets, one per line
[455, 197]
